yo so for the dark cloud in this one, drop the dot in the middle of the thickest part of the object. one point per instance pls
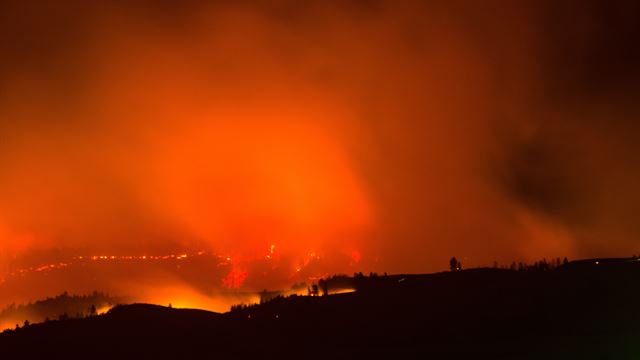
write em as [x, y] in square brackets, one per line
[579, 164]
[590, 51]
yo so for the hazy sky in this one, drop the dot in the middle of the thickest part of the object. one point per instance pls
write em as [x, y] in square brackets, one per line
[403, 131]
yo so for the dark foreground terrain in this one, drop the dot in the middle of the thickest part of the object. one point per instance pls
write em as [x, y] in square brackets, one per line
[578, 311]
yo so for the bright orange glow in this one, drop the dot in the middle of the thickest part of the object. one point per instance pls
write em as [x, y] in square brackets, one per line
[183, 296]
[103, 309]
[355, 256]
[341, 291]
[237, 146]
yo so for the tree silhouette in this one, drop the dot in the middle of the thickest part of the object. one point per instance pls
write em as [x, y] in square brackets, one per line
[454, 264]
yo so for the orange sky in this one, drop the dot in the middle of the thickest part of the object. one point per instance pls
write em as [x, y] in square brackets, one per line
[403, 131]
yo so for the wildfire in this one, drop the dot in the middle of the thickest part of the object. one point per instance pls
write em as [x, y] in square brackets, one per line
[239, 266]
[103, 309]
[235, 279]
[141, 257]
[95, 258]
[38, 268]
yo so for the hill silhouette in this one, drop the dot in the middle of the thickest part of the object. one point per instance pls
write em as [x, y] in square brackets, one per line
[63, 305]
[581, 310]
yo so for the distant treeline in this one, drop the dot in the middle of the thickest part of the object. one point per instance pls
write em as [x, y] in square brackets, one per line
[361, 281]
[541, 265]
[61, 307]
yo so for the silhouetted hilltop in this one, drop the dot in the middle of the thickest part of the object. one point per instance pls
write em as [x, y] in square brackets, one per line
[58, 307]
[584, 310]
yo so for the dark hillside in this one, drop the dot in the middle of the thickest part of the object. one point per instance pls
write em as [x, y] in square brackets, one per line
[584, 310]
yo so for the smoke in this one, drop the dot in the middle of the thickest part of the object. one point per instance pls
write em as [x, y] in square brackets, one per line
[405, 131]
